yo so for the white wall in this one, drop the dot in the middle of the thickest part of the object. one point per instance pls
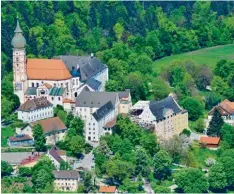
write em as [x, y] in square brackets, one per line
[36, 115]
[103, 78]
[147, 116]
[55, 162]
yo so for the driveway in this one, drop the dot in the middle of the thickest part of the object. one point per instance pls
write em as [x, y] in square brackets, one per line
[87, 162]
[147, 187]
[196, 136]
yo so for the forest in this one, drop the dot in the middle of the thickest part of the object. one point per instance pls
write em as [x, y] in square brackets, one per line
[129, 36]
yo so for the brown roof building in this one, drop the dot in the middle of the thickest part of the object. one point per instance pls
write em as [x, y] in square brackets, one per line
[210, 142]
[51, 124]
[225, 108]
[50, 69]
[35, 104]
[66, 180]
[107, 189]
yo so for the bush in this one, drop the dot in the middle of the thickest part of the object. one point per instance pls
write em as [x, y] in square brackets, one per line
[25, 172]
[210, 162]
[194, 107]
[88, 148]
[186, 132]
[200, 125]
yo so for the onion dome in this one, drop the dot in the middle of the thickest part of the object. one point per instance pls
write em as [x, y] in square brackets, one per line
[18, 41]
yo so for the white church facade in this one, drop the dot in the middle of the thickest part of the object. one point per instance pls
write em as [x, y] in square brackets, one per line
[59, 80]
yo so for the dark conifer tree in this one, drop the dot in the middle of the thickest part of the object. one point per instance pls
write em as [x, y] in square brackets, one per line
[215, 124]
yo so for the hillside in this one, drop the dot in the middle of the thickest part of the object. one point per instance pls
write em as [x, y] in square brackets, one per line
[209, 56]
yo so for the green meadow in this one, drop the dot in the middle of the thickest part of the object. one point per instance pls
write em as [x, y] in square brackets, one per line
[208, 56]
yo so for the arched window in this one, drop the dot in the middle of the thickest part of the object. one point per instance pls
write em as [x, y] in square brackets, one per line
[58, 98]
[37, 85]
[52, 98]
[33, 85]
[75, 94]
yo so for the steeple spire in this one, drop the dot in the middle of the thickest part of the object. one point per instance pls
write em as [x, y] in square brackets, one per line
[18, 40]
[18, 29]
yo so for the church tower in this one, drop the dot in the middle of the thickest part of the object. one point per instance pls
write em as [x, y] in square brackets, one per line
[19, 63]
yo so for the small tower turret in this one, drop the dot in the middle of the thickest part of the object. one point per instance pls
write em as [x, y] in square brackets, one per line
[19, 62]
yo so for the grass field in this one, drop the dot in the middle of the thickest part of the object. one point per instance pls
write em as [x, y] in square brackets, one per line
[209, 56]
[201, 154]
[6, 133]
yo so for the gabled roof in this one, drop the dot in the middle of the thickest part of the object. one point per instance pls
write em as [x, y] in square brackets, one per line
[228, 106]
[95, 99]
[225, 108]
[107, 189]
[34, 104]
[124, 94]
[94, 84]
[66, 174]
[55, 155]
[210, 140]
[20, 137]
[103, 111]
[56, 91]
[47, 69]
[51, 124]
[110, 123]
[158, 108]
[31, 91]
[85, 67]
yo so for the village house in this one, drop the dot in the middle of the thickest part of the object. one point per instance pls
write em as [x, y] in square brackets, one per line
[27, 159]
[226, 110]
[165, 117]
[20, 140]
[108, 189]
[35, 109]
[98, 109]
[30, 161]
[209, 142]
[56, 156]
[54, 129]
[57, 79]
[66, 180]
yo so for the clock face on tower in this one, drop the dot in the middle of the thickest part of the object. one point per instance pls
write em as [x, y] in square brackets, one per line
[18, 86]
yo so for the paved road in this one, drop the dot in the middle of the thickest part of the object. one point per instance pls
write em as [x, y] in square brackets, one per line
[87, 162]
[147, 187]
[196, 136]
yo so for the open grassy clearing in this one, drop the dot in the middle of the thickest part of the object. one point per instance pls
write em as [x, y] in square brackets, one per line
[208, 56]
[6, 133]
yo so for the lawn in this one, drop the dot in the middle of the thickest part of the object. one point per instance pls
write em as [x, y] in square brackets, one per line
[6, 133]
[209, 56]
[201, 154]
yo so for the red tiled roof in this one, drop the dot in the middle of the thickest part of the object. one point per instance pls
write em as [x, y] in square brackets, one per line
[47, 69]
[61, 152]
[210, 140]
[51, 124]
[68, 101]
[107, 189]
[20, 138]
[225, 108]
[30, 159]
[48, 85]
[110, 123]
[228, 106]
